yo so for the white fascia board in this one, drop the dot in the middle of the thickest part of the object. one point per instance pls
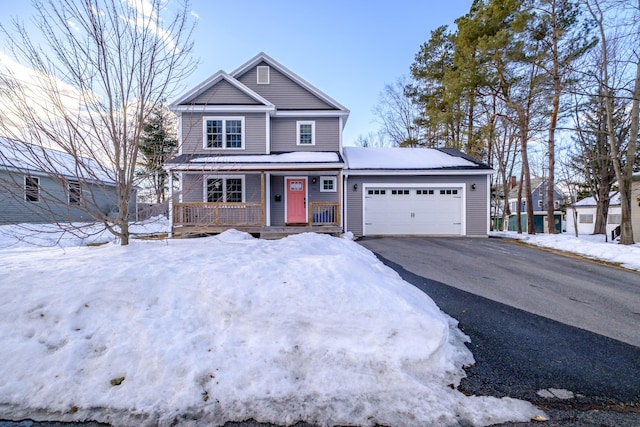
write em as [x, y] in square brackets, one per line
[312, 113]
[224, 108]
[290, 74]
[214, 79]
[418, 172]
[253, 167]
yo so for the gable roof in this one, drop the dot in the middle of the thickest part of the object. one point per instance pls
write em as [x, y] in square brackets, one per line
[34, 159]
[536, 183]
[410, 159]
[263, 57]
[212, 81]
[614, 200]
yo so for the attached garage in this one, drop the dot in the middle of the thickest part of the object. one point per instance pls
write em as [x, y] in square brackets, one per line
[415, 192]
[408, 210]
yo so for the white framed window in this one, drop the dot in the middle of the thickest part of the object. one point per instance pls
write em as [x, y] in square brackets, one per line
[224, 189]
[31, 188]
[585, 219]
[556, 204]
[223, 133]
[263, 75]
[540, 203]
[328, 184]
[74, 192]
[614, 218]
[306, 133]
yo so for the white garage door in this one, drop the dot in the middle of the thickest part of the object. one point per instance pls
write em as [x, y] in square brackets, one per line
[413, 211]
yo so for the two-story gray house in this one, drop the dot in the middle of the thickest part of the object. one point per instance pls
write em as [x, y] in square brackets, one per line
[261, 150]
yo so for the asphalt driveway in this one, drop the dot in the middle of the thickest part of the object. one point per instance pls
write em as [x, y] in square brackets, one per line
[599, 298]
[557, 331]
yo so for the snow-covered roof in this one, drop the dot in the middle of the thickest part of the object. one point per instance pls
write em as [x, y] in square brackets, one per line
[614, 200]
[299, 159]
[35, 159]
[404, 158]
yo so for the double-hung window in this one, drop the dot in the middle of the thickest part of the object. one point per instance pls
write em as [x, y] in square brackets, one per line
[75, 192]
[223, 133]
[31, 189]
[306, 133]
[224, 189]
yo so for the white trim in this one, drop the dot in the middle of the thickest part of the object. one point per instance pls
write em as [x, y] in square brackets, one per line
[334, 179]
[267, 127]
[224, 120]
[257, 167]
[170, 176]
[313, 132]
[286, 191]
[417, 172]
[340, 129]
[222, 109]
[345, 181]
[224, 186]
[267, 196]
[311, 113]
[179, 133]
[488, 199]
[211, 81]
[459, 185]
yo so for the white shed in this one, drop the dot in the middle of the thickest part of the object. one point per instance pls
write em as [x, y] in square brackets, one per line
[586, 210]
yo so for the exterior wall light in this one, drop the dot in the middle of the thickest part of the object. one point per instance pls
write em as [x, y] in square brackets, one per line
[355, 187]
[473, 186]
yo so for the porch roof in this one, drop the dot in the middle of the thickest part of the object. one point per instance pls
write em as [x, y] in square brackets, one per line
[320, 160]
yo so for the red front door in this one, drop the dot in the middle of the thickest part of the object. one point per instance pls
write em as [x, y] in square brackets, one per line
[296, 189]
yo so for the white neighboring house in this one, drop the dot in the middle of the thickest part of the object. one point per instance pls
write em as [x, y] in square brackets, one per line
[586, 210]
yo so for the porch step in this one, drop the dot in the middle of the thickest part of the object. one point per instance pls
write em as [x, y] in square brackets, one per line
[269, 233]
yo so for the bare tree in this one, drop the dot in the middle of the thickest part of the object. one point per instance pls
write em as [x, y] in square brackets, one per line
[627, 23]
[398, 114]
[102, 66]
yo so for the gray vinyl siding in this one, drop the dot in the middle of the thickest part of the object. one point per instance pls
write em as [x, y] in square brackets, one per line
[283, 92]
[283, 134]
[193, 186]
[223, 93]
[476, 200]
[254, 134]
[53, 205]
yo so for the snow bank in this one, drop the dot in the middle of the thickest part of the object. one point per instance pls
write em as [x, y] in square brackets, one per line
[590, 246]
[203, 331]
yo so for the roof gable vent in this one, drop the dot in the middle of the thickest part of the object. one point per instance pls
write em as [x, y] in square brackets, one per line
[263, 75]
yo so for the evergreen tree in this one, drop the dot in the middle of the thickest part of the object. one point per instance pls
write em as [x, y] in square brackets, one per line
[159, 143]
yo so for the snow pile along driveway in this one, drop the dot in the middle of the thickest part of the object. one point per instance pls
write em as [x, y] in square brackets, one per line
[226, 328]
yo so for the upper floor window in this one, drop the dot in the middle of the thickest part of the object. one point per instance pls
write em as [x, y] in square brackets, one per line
[223, 132]
[306, 133]
[31, 189]
[75, 192]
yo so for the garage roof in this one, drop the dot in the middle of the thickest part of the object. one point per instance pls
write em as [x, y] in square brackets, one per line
[367, 158]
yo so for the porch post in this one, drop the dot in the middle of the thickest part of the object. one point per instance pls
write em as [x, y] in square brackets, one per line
[267, 197]
[340, 203]
[170, 203]
[262, 195]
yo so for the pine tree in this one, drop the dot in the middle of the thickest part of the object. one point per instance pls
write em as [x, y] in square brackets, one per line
[159, 143]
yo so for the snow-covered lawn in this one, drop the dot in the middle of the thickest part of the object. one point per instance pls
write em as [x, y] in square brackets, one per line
[203, 331]
[590, 246]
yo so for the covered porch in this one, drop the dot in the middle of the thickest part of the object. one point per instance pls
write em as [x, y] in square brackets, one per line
[268, 200]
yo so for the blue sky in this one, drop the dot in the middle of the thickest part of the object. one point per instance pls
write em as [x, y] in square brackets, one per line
[348, 49]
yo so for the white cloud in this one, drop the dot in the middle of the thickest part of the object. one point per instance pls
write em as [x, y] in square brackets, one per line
[73, 25]
[194, 14]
